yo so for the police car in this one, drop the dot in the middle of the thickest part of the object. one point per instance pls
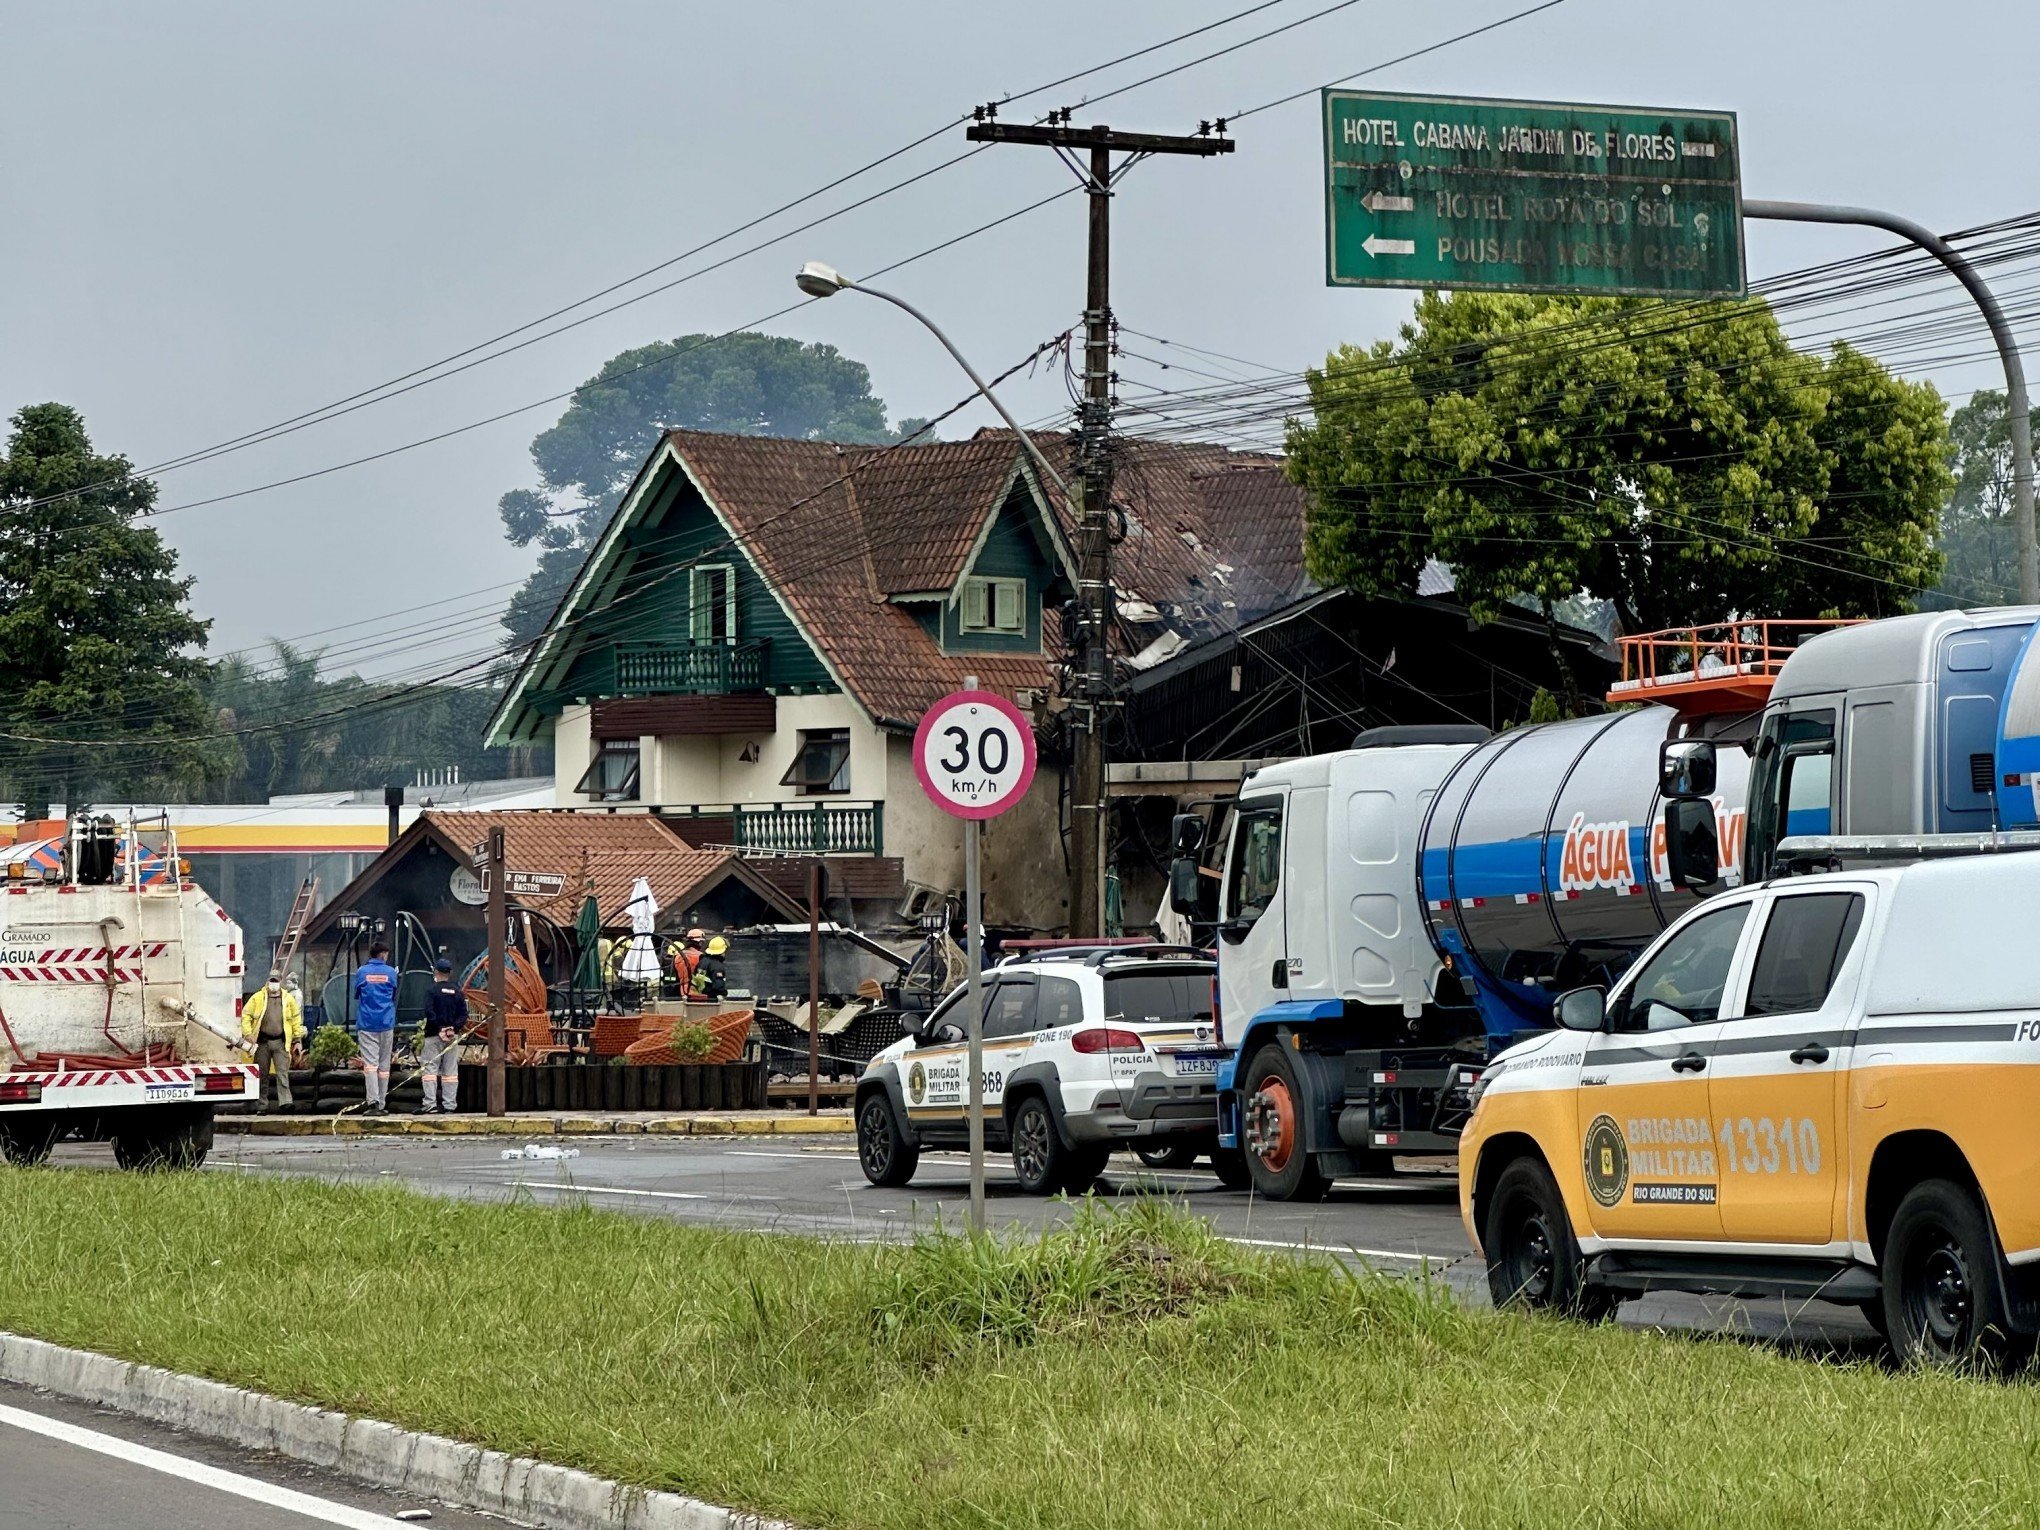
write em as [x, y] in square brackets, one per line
[1821, 1087]
[1086, 1049]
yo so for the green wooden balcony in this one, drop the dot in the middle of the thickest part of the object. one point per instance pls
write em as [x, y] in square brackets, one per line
[817, 827]
[686, 668]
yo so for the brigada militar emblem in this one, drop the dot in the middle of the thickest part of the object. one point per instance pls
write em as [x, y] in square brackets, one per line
[1607, 1161]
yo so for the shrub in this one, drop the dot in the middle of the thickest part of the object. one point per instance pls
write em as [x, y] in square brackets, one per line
[331, 1047]
[692, 1040]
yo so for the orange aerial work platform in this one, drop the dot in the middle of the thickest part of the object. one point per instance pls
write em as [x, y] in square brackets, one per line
[1703, 671]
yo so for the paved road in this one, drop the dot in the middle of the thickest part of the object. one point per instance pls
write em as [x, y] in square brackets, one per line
[1408, 1223]
[65, 1466]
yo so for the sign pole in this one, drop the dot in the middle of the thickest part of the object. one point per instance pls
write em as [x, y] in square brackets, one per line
[499, 941]
[974, 1009]
[974, 756]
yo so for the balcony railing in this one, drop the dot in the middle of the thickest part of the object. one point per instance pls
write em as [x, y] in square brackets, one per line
[705, 668]
[800, 828]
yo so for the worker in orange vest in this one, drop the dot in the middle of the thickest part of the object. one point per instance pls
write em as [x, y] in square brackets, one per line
[687, 961]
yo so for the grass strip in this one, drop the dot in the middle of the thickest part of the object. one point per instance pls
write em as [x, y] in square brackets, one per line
[1129, 1373]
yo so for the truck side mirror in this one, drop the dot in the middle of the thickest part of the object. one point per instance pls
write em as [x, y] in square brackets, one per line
[1583, 1009]
[1191, 893]
[1186, 833]
[1686, 767]
[1692, 852]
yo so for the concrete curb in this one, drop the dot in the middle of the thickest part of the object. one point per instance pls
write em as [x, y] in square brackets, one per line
[428, 1465]
[741, 1124]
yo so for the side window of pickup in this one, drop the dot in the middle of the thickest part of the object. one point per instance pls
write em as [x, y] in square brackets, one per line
[1806, 939]
[1683, 983]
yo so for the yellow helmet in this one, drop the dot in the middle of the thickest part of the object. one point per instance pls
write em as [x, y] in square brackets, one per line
[718, 946]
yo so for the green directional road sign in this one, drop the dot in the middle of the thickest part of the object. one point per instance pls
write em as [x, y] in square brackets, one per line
[1530, 196]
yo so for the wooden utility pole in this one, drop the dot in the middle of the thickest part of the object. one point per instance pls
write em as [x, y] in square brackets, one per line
[814, 987]
[499, 945]
[1091, 689]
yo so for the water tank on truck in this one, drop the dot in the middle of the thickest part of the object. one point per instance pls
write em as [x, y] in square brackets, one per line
[1544, 859]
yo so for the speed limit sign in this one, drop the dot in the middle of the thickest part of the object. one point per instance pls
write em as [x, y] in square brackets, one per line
[974, 753]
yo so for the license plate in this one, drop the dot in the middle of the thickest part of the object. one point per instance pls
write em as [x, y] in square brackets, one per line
[1196, 1067]
[167, 1092]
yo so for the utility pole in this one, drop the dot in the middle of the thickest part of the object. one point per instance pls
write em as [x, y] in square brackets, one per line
[1091, 689]
[499, 956]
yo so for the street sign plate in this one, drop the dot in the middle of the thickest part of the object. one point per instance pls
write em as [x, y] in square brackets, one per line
[534, 884]
[974, 753]
[1530, 196]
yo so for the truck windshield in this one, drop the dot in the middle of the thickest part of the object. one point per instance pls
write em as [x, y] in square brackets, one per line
[1791, 785]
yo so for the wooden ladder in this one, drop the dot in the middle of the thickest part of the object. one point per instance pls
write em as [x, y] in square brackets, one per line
[294, 926]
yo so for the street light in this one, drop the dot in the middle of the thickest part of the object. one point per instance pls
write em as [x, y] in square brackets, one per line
[820, 281]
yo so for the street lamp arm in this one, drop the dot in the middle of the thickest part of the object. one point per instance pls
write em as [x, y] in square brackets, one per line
[2018, 411]
[971, 372]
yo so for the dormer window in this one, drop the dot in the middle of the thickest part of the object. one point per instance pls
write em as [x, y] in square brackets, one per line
[995, 605]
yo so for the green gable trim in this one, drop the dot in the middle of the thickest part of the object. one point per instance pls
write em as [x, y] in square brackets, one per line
[639, 582]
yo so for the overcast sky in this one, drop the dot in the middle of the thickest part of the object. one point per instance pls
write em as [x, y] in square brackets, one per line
[219, 215]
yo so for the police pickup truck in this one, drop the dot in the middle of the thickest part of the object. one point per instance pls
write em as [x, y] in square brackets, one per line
[1821, 1086]
[1087, 1049]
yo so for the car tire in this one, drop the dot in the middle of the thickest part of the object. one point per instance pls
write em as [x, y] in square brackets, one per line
[1168, 1154]
[1083, 1166]
[883, 1152]
[1944, 1283]
[1533, 1259]
[1040, 1161]
[1273, 1106]
[1230, 1165]
[26, 1140]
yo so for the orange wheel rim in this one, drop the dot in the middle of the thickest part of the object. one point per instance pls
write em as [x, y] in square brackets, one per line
[1272, 1133]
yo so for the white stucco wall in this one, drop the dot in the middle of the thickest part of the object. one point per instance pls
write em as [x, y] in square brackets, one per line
[1020, 852]
[573, 733]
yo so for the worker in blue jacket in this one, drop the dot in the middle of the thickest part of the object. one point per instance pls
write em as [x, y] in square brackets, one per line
[375, 1025]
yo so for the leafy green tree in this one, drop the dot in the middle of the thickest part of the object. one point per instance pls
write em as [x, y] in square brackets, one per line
[97, 638]
[747, 384]
[1977, 535]
[1554, 448]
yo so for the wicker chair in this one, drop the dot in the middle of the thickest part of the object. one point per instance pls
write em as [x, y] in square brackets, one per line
[729, 1031]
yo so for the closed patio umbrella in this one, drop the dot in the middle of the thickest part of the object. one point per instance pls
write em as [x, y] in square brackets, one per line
[641, 961]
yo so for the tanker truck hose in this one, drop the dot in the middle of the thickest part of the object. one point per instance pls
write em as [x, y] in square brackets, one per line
[473, 1030]
[112, 979]
[15, 1046]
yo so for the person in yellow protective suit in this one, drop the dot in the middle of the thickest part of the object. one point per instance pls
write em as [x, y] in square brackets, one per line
[272, 1023]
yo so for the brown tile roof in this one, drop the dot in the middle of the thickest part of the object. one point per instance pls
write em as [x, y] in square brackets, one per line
[833, 555]
[619, 848]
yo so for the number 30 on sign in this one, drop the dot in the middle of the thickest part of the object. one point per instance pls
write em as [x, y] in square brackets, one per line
[974, 753]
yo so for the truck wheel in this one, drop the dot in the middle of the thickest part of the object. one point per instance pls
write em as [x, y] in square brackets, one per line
[26, 1140]
[1040, 1161]
[1533, 1259]
[1272, 1106]
[1230, 1165]
[1168, 1155]
[1944, 1282]
[166, 1139]
[883, 1152]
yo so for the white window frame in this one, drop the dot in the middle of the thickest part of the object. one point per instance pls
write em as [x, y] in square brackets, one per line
[994, 605]
[838, 784]
[700, 606]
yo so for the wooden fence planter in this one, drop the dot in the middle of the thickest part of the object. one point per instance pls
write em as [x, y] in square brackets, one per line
[590, 1087]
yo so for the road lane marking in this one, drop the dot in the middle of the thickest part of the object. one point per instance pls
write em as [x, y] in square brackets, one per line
[255, 1490]
[656, 1195]
[1335, 1248]
[803, 1157]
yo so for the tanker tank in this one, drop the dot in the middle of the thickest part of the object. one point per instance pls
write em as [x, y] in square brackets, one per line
[1543, 863]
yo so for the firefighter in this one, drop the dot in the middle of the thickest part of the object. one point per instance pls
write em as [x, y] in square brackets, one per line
[272, 1023]
[710, 980]
[687, 962]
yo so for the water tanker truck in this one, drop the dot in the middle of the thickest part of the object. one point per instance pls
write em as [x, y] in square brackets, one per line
[119, 986]
[1390, 916]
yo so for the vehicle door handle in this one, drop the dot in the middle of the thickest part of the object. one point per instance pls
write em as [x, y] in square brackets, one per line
[1812, 1052]
[1691, 1062]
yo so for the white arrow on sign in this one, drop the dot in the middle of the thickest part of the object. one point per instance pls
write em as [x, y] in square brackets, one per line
[1374, 244]
[1381, 201]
